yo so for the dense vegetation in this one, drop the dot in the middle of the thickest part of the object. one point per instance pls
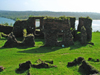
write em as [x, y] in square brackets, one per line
[25, 14]
[11, 57]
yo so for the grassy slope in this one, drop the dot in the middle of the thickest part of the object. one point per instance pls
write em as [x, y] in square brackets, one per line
[11, 57]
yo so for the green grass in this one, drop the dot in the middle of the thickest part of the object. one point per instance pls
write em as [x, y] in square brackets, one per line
[11, 57]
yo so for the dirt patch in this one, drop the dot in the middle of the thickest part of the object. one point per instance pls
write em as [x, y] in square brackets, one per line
[39, 64]
[84, 67]
[87, 68]
[43, 64]
[1, 68]
[24, 66]
[94, 60]
[75, 62]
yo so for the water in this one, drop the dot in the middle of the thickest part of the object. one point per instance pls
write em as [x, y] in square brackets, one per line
[6, 20]
[95, 23]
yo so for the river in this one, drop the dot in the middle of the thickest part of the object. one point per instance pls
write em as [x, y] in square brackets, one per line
[95, 23]
[6, 20]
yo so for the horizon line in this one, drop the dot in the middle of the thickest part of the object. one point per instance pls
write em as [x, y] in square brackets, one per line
[48, 11]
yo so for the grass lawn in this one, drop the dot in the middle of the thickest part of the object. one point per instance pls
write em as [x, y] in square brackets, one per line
[11, 57]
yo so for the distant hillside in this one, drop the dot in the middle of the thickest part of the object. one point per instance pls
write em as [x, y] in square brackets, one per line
[25, 14]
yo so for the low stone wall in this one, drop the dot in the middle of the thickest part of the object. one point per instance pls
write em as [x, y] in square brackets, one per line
[6, 29]
[27, 42]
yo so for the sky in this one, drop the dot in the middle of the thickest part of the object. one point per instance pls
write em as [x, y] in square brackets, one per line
[51, 5]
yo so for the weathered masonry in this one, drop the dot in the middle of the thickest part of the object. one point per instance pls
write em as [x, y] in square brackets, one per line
[87, 23]
[53, 29]
[6, 29]
[29, 25]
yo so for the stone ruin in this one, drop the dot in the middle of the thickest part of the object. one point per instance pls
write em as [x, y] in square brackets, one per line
[27, 41]
[52, 28]
[83, 36]
[29, 25]
[65, 28]
[87, 23]
[6, 29]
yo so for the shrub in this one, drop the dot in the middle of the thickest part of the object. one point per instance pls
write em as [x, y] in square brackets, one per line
[97, 31]
[17, 19]
[57, 18]
[24, 32]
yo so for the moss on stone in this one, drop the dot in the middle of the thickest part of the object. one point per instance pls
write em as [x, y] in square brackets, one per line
[86, 17]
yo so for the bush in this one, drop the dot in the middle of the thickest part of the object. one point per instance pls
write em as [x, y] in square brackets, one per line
[5, 24]
[57, 18]
[97, 31]
[24, 32]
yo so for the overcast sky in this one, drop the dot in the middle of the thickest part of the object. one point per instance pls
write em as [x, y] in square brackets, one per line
[51, 5]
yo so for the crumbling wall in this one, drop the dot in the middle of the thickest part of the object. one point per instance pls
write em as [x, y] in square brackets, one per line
[18, 28]
[12, 41]
[55, 27]
[83, 36]
[72, 24]
[6, 29]
[26, 24]
[29, 41]
[87, 23]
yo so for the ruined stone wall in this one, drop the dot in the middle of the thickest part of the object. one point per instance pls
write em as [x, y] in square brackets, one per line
[28, 41]
[72, 22]
[53, 28]
[87, 23]
[6, 29]
[83, 36]
[26, 24]
[18, 28]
